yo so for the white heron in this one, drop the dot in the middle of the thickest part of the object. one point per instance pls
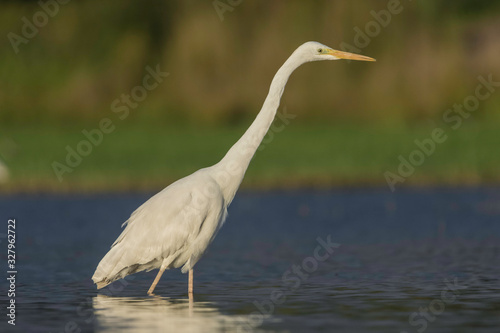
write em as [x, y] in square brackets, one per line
[175, 226]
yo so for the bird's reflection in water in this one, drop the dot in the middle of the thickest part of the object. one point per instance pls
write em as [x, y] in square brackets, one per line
[160, 314]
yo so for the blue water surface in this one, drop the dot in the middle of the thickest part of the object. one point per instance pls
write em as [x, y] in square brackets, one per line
[411, 261]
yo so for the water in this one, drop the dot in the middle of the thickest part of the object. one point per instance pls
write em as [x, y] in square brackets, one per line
[416, 260]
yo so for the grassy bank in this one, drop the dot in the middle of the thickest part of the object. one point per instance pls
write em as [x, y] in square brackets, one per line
[146, 157]
[64, 79]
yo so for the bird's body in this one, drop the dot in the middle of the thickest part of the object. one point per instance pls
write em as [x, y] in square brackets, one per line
[174, 228]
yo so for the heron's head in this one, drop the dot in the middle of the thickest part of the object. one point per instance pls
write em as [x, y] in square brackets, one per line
[314, 51]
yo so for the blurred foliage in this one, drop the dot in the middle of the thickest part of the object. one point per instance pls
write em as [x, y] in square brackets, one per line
[355, 118]
[462, 7]
[91, 52]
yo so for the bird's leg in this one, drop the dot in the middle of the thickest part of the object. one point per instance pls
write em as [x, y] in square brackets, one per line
[155, 282]
[190, 282]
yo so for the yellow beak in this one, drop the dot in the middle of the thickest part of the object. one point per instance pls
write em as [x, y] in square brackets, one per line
[350, 56]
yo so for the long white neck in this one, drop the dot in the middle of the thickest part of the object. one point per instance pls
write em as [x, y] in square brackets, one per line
[229, 172]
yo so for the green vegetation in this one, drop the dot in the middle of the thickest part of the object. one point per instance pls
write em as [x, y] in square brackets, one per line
[150, 157]
[91, 52]
[353, 119]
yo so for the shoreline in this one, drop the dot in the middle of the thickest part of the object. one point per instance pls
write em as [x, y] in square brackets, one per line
[251, 185]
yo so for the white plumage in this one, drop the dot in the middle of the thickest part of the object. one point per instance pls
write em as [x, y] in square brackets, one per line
[175, 226]
[173, 229]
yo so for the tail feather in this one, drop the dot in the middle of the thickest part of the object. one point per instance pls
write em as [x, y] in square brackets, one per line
[116, 265]
[102, 284]
[106, 271]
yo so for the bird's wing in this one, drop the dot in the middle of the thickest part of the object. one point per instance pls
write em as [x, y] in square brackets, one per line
[168, 224]
[174, 227]
[165, 210]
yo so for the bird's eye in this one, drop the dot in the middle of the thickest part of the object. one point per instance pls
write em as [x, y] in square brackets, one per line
[320, 50]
